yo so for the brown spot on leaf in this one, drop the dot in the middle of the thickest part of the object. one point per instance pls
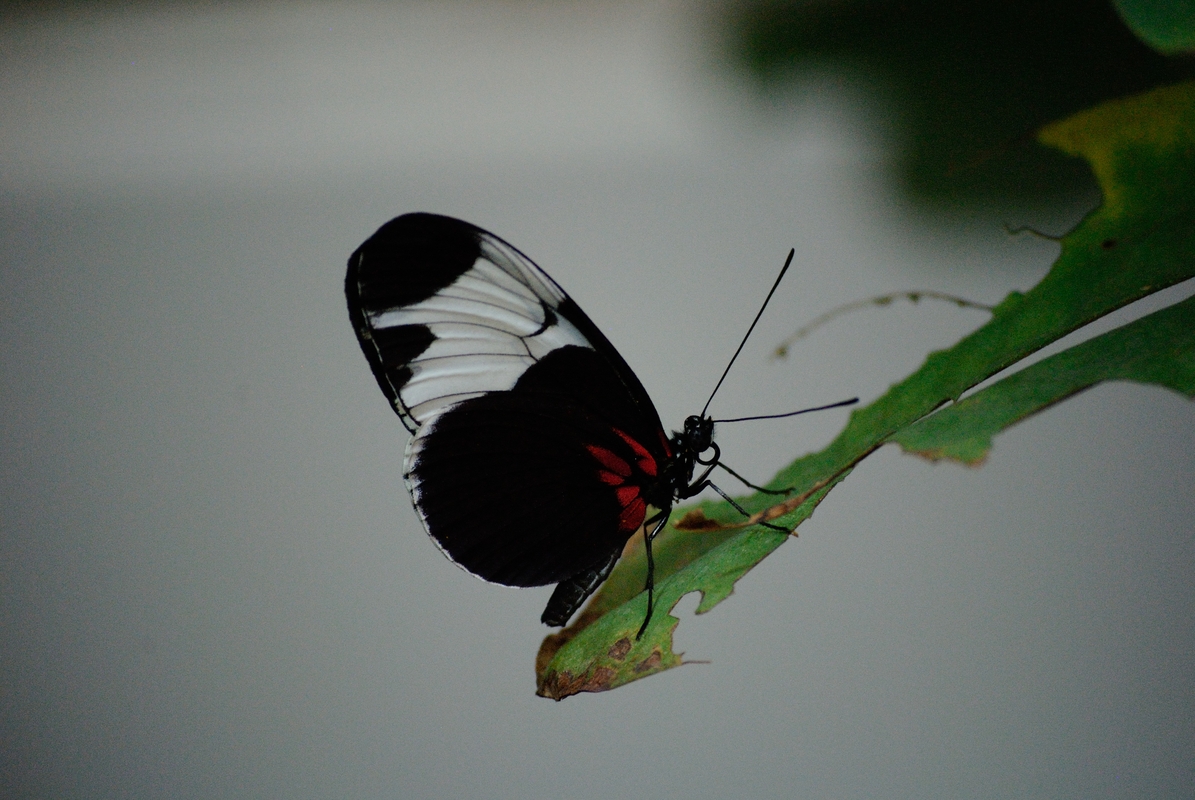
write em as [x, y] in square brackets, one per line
[618, 651]
[559, 685]
[1108, 244]
[696, 520]
[652, 662]
[552, 643]
[934, 454]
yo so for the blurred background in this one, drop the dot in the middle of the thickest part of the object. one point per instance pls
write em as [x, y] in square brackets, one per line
[212, 583]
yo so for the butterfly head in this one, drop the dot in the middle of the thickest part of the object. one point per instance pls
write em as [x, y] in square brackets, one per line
[698, 435]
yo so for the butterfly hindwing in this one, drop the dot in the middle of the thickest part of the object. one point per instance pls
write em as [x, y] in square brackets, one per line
[533, 440]
[519, 502]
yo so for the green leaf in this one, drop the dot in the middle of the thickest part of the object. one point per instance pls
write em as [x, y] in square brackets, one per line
[1141, 239]
[1157, 349]
[1167, 26]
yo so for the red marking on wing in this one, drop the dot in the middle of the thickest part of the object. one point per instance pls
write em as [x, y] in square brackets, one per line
[609, 460]
[632, 516]
[615, 473]
[610, 478]
[646, 462]
[639, 449]
[626, 494]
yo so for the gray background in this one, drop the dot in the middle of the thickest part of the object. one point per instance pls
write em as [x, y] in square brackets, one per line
[212, 583]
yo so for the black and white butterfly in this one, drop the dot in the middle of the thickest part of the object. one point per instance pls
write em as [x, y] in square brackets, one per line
[536, 452]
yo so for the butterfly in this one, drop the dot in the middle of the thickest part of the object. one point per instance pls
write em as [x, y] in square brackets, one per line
[535, 453]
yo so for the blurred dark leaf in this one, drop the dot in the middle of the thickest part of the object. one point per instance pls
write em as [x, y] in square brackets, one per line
[1168, 26]
[969, 81]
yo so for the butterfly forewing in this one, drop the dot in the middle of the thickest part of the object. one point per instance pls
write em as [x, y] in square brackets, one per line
[445, 311]
[533, 441]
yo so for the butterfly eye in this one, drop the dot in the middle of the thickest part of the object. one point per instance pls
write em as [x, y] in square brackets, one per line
[699, 434]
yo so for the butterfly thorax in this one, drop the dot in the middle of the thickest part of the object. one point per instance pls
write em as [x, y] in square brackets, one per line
[676, 477]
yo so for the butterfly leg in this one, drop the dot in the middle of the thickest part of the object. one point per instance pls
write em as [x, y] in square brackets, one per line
[697, 487]
[659, 519]
[751, 485]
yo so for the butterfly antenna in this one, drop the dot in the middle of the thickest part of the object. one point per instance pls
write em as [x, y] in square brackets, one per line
[788, 261]
[839, 404]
